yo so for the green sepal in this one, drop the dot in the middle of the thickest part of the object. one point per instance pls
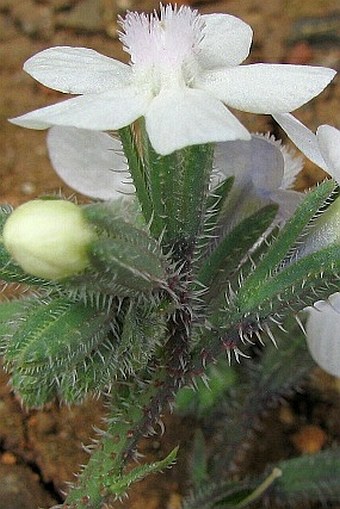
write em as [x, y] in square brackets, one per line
[131, 268]
[226, 257]
[179, 187]
[214, 205]
[109, 221]
[12, 273]
[137, 169]
[218, 198]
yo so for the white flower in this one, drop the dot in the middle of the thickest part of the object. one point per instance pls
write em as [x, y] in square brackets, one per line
[184, 69]
[323, 148]
[323, 334]
[264, 171]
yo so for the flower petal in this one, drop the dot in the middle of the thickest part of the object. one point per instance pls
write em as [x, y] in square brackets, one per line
[288, 201]
[266, 88]
[226, 41]
[304, 139]
[113, 109]
[258, 160]
[293, 165]
[77, 70]
[329, 142]
[181, 117]
[90, 162]
[323, 338]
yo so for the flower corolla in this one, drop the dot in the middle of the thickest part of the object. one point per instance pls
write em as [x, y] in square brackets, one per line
[183, 72]
[323, 322]
[93, 164]
[264, 172]
[323, 336]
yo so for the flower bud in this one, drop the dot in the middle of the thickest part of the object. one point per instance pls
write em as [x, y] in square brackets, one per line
[48, 238]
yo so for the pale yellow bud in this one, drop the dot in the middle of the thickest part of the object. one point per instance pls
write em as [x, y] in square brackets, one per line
[48, 238]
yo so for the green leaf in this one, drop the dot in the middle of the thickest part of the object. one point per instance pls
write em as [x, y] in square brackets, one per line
[289, 235]
[216, 494]
[119, 485]
[220, 379]
[34, 390]
[10, 312]
[296, 286]
[309, 478]
[225, 259]
[50, 334]
[199, 461]
[98, 369]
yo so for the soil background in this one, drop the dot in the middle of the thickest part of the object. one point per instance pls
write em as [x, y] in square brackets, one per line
[40, 450]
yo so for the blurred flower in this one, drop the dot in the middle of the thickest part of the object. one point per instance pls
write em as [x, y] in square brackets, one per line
[264, 171]
[48, 238]
[184, 69]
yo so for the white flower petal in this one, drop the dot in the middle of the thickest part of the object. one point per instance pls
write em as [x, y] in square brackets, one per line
[293, 163]
[226, 41]
[266, 88]
[258, 160]
[323, 338]
[288, 201]
[329, 142]
[77, 70]
[113, 109]
[304, 139]
[180, 117]
[91, 162]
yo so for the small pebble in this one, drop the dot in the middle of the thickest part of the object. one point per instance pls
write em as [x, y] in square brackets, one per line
[8, 458]
[309, 439]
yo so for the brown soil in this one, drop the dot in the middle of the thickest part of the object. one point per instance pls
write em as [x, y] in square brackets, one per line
[41, 449]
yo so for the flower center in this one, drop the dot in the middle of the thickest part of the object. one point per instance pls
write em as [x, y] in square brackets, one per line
[163, 47]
